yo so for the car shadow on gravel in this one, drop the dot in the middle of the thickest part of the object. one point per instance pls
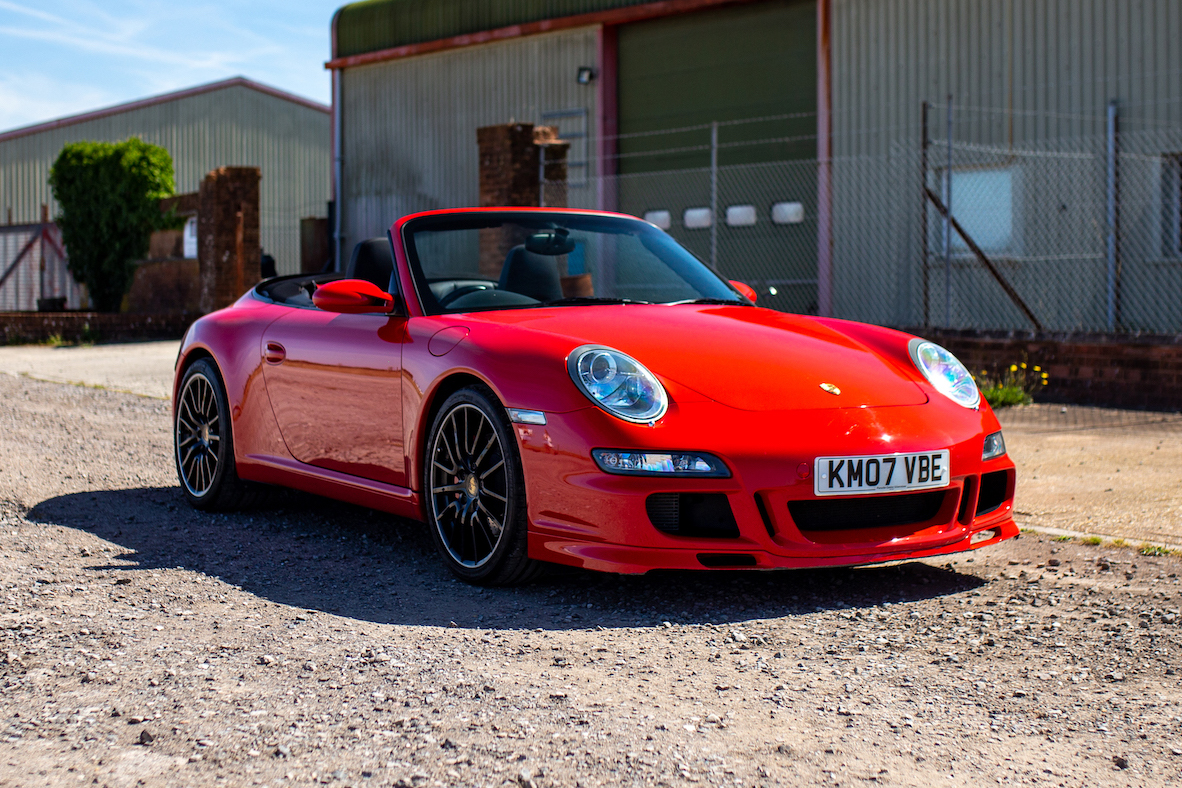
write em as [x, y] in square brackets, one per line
[316, 554]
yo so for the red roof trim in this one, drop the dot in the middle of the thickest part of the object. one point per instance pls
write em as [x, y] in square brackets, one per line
[119, 109]
[616, 16]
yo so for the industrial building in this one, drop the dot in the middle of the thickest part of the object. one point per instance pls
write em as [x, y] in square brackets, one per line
[783, 141]
[235, 122]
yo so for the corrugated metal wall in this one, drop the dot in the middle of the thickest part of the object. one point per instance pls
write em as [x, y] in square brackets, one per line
[1054, 63]
[1030, 82]
[409, 139]
[236, 125]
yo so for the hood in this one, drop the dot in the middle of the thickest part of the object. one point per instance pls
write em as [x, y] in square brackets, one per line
[743, 357]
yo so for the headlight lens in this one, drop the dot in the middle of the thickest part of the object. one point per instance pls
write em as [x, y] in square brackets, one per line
[617, 383]
[944, 372]
[657, 463]
[995, 446]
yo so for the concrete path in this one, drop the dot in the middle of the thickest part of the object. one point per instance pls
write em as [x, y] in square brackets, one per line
[1097, 471]
[143, 368]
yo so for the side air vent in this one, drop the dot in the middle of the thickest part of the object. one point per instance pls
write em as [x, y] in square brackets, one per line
[705, 515]
[993, 491]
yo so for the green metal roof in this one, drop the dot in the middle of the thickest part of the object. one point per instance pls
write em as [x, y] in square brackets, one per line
[373, 25]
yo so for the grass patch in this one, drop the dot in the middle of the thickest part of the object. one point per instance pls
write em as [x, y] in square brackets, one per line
[1152, 549]
[1119, 543]
[1092, 540]
[1064, 538]
[1000, 395]
[55, 340]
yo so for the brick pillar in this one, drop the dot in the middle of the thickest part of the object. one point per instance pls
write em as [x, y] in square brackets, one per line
[510, 160]
[228, 235]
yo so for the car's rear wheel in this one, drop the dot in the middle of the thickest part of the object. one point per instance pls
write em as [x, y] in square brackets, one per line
[475, 491]
[203, 445]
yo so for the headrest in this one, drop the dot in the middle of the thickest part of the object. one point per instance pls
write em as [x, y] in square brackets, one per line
[372, 261]
[530, 274]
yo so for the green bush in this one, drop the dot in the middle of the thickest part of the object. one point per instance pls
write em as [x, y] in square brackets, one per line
[109, 194]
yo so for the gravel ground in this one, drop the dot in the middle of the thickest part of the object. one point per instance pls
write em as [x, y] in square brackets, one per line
[144, 643]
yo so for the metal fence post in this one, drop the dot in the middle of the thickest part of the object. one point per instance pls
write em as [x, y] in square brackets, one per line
[1113, 219]
[923, 163]
[714, 195]
[948, 227]
[541, 175]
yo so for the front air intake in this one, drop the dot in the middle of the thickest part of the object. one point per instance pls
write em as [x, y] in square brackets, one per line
[877, 511]
[703, 515]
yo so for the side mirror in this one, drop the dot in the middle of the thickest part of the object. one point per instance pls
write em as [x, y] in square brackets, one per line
[745, 289]
[352, 296]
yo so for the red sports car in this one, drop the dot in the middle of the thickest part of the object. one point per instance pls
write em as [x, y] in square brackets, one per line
[574, 387]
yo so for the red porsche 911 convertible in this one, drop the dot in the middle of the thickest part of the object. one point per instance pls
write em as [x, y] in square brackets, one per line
[574, 387]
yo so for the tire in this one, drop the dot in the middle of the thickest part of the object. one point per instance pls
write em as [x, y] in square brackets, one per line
[475, 491]
[203, 444]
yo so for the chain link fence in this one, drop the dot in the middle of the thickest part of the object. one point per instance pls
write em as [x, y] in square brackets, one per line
[1080, 234]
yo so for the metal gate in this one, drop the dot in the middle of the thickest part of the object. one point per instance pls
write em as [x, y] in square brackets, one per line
[33, 271]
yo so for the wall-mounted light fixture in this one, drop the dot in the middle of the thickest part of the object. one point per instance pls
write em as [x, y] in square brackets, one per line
[586, 75]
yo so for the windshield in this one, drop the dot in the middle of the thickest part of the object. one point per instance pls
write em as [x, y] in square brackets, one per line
[469, 262]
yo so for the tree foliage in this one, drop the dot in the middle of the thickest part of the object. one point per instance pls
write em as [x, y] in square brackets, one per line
[109, 195]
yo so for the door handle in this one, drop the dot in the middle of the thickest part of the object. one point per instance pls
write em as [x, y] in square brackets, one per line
[274, 353]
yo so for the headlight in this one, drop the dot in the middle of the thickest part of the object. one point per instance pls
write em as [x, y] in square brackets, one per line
[995, 446]
[617, 383]
[944, 372]
[657, 463]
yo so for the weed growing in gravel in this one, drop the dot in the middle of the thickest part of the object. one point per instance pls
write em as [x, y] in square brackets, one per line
[1064, 538]
[1152, 549]
[1092, 540]
[1119, 543]
[55, 340]
[1013, 386]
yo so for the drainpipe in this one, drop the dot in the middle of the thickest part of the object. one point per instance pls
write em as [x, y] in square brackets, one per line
[824, 164]
[337, 167]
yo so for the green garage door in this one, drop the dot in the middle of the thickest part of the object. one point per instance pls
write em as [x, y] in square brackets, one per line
[729, 65]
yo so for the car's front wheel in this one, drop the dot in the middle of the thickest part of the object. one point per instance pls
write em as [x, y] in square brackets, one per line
[475, 491]
[203, 445]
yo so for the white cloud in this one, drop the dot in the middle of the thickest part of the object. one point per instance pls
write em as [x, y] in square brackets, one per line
[89, 54]
[29, 98]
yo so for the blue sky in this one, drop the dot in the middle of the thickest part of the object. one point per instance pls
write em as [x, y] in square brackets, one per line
[62, 57]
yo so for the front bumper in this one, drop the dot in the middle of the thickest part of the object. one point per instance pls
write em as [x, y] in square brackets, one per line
[581, 516]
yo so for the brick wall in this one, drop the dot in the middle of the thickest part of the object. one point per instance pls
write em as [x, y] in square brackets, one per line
[228, 235]
[26, 327]
[511, 156]
[1130, 372]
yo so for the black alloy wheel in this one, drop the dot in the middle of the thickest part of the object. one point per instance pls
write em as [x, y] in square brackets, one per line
[203, 445]
[476, 498]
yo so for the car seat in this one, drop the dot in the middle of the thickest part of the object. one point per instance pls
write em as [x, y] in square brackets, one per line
[373, 261]
[530, 274]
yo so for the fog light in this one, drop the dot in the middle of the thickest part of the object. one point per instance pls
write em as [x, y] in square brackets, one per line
[654, 463]
[995, 446]
[983, 536]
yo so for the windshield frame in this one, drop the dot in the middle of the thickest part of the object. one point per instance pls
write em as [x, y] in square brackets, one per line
[475, 219]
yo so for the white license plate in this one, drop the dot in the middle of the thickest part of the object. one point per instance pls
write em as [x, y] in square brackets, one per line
[881, 473]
